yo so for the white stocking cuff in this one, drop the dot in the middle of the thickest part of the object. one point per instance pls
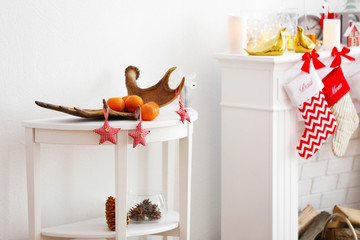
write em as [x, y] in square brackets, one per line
[303, 87]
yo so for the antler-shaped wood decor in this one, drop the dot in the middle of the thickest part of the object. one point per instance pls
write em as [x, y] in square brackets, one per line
[160, 93]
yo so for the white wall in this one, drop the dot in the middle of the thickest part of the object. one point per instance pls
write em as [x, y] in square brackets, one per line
[74, 53]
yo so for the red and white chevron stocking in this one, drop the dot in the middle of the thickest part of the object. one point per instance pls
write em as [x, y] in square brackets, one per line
[305, 93]
[319, 125]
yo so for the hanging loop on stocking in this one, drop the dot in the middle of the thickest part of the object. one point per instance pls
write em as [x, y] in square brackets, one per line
[337, 60]
[307, 60]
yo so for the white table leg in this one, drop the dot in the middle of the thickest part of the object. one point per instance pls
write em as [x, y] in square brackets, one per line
[168, 175]
[185, 152]
[33, 187]
[121, 158]
[168, 180]
[165, 174]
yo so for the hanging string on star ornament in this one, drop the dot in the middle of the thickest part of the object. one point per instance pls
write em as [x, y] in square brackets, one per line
[139, 135]
[183, 112]
[106, 132]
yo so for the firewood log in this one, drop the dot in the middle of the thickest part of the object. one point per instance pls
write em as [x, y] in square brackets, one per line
[306, 217]
[352, 214]
[316, 227]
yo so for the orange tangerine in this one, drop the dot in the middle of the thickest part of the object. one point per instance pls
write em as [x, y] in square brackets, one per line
[149, 111]
[155, 104]
[116, 104]
[125, 97]
[132, 102]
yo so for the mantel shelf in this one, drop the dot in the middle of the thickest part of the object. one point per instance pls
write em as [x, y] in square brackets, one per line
[285, 58]
[97, 228]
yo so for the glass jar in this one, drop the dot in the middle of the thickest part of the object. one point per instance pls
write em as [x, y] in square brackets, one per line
[146, 206]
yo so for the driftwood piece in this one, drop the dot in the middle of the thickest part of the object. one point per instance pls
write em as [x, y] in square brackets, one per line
[352, 214]
[90, 113]
[316, 227]
[306, 217]
[160, 93]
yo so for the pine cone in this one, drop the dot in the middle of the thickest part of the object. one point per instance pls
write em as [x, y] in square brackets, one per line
[154, 215]
[146, 203]
[154, 212]
[149, 206]
[110, 214]
[142, 207]
[145, 209]
[137, 213]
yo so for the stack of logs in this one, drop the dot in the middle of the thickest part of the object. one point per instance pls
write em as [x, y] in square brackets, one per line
[312, 223]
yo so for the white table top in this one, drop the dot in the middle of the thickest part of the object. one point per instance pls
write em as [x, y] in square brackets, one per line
[167, 117]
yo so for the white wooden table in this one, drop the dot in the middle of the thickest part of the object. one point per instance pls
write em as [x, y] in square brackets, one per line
[72, 130]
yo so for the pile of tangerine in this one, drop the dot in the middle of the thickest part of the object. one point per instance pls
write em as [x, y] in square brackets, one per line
[149, 111]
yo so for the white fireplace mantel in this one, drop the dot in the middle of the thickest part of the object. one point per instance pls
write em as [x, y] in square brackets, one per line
[259, 136]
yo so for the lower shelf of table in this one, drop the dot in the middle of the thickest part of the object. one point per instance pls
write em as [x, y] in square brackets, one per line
[97, 228]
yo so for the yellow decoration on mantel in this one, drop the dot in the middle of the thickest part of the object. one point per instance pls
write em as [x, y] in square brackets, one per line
[273, 47]
[302, 43]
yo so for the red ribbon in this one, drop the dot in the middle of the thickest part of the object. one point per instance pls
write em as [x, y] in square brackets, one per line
[177, 96]
[307, 59]
[329, 16]
[337, 60]
[106, 113]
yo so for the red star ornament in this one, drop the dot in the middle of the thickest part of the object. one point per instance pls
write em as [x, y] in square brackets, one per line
[139, 135]
[183, 113]
[106, 132]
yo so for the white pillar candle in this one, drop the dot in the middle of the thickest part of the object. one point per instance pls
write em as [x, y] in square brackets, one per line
[331, 34]
[237, 33]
